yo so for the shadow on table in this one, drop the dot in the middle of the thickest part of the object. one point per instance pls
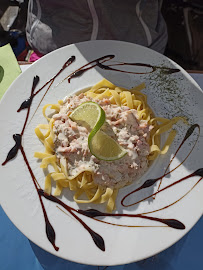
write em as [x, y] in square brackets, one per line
[159, 261]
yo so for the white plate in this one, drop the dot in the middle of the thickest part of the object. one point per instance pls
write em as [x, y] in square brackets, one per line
[168, 95]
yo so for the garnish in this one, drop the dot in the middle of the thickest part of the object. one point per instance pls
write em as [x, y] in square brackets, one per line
[100, 144]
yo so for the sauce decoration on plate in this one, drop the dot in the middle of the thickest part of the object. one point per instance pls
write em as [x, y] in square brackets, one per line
[92, 213]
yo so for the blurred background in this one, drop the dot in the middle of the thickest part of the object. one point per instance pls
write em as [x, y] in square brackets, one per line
[184, 19]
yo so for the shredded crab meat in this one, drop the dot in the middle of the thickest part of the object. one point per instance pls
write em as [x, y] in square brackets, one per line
[122, 124]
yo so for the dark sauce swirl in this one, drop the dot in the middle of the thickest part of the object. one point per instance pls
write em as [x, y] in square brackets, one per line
[27, 103]
[151, 182]
[173, 223]
[14, 150]
[99, 63]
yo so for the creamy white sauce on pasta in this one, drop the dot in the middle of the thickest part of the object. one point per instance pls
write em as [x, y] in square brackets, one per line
[122, 124]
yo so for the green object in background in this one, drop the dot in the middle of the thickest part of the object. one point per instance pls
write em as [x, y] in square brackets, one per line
[1, 73]
[9, 68]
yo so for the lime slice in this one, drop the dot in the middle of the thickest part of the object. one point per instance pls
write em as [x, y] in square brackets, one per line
[104, 147]
[89, 113]
[100, 144]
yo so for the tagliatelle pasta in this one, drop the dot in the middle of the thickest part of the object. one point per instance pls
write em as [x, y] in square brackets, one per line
[82, 182]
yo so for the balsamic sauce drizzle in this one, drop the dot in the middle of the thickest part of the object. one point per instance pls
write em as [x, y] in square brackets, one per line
[173, 223]
[95, 236]
[18, 137]
[151, 182]
[167, 206]
[187, 135]
[99, 62]
[91, 213]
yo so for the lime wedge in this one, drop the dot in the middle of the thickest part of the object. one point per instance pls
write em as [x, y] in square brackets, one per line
[89, 113]
[100, 144]
[104, 147]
